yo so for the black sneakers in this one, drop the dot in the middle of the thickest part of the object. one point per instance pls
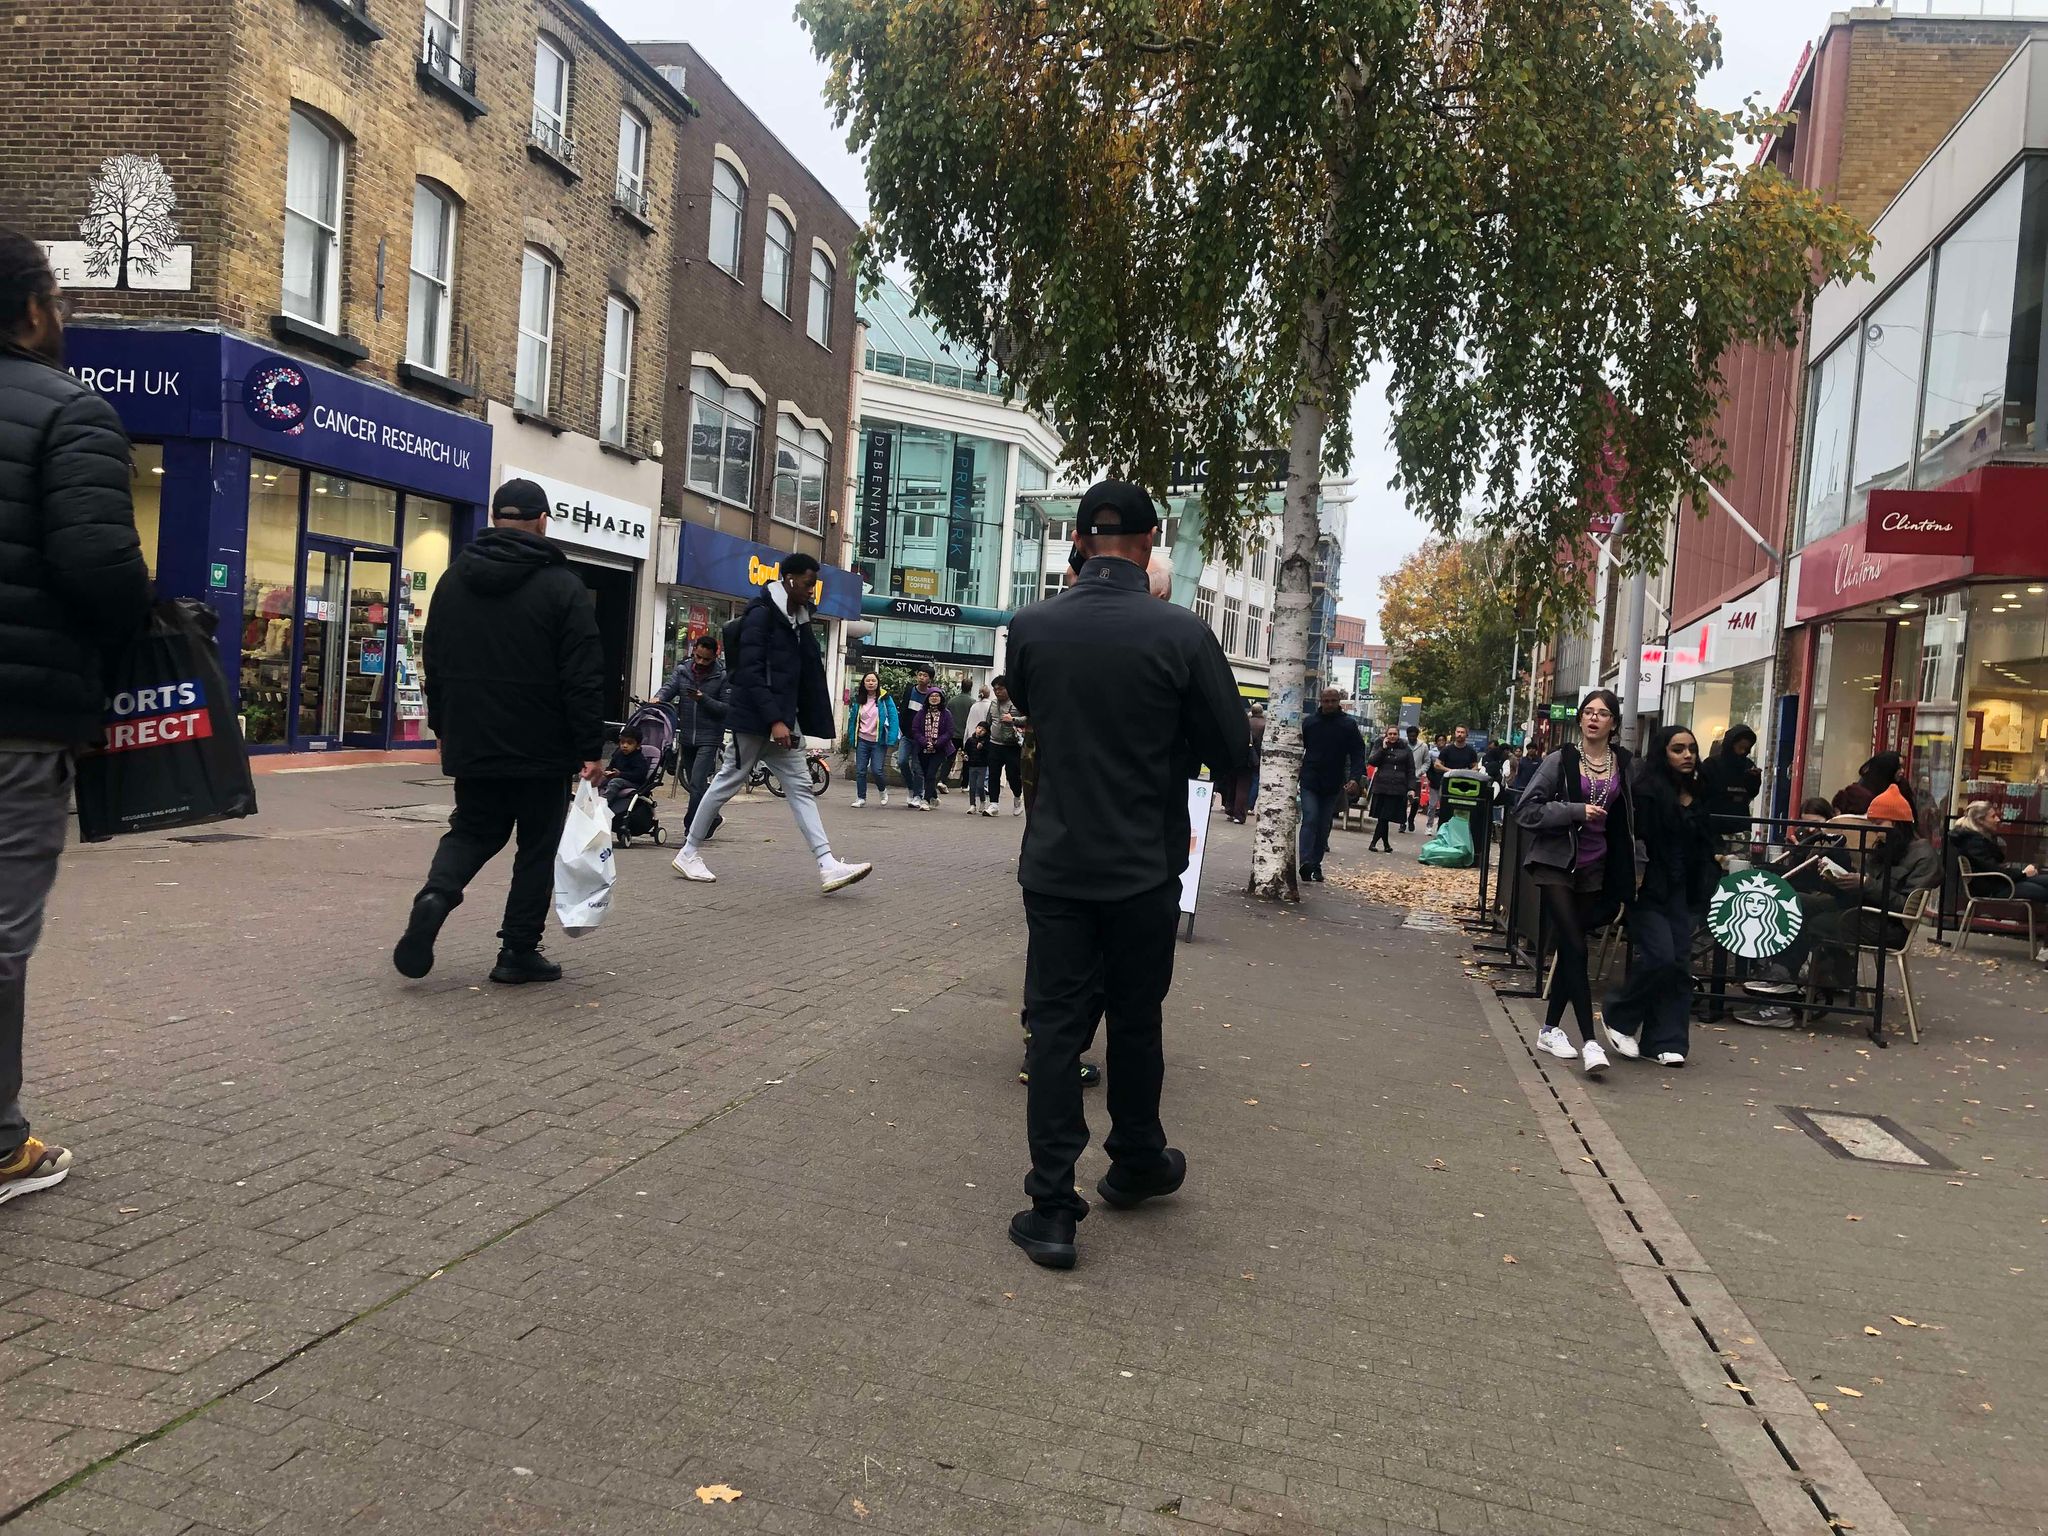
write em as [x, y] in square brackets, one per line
[516, 967]
[1049, 1240]
[414, 954]
[1124, 1189]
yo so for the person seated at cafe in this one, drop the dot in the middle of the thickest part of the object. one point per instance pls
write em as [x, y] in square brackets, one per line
[1853, 909]
[1974, 836]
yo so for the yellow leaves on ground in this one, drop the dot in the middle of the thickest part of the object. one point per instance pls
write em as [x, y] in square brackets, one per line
[717, 1493]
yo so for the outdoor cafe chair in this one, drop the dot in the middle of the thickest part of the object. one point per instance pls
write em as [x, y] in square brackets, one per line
[1992, 888]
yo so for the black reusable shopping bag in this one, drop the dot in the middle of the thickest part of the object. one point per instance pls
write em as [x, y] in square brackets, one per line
[173, 756]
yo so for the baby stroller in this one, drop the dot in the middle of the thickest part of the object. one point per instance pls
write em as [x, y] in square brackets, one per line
[638, 815]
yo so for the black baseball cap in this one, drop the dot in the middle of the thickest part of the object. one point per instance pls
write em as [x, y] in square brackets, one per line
[520, 499]
[1116, 506]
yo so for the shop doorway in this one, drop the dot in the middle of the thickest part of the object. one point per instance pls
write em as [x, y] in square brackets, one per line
[612, 590]
[345, 651]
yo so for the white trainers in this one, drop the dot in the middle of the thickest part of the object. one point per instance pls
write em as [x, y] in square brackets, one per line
[973, 809]
[1594, 1059]
[885, 797]
[690, 864]
[1558, 1043]
[1624, 1044]
[1670, 1059]
[916, 804]
[837, 874]
[1018, 808]
[859, 804]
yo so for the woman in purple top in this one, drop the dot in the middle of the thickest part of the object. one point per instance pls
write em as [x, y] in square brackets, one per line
[932, 727]
[1580, 820]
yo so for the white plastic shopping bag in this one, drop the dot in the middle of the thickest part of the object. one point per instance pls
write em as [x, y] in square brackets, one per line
[583, 863]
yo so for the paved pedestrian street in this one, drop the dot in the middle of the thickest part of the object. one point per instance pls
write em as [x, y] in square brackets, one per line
[723, 1213]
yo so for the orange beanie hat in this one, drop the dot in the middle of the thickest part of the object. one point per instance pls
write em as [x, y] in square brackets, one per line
[1890, 806]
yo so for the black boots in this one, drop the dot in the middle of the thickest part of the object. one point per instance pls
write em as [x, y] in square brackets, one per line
[1123, 1189]
[414, 954]
[515, 967]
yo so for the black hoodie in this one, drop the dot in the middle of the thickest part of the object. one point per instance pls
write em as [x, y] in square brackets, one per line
[514, 669]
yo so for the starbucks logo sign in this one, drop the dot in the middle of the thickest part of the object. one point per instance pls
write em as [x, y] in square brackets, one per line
[1754, 914]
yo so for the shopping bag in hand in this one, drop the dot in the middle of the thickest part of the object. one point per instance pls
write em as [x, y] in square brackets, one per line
[583, 863]
[174, 755]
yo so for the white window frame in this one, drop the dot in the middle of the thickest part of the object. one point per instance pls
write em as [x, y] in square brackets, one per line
[551, 119]
[615, 395]
[818, 319]
[434, 357]
[325, 238]
[634, 132]
[803, 461]
[778, 303]
[1205, 606]
[442, 30]
[731, 405]
[1254, 623]
[1233, 621]
[523, 396]
[737, 202]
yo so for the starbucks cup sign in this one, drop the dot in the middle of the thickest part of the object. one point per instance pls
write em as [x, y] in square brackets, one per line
[1755, 914]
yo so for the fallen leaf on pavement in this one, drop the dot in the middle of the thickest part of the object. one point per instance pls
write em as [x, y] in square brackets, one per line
[1251, 1101]
[1509, 1258]
[716, 1493]
[860, 1509]
[1875, 1333]
[1848, 1391]
[1820, 1407]
[1853, 1218]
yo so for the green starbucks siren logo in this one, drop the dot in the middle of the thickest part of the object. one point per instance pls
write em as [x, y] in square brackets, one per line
[1754, 914]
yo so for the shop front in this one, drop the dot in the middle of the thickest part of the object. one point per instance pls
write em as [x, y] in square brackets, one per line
[715, 576]
[314, 511]
[1717, 670]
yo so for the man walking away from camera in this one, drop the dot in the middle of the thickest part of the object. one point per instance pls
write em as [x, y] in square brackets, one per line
[1125, 695]
[515, 695]
[73, 585]
[778, 697]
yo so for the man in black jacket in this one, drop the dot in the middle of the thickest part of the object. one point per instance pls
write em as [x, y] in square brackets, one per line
[72, 583]
[1126, 695]
[778, 680]
[515, 694]
[697, 693]
[1332, 761]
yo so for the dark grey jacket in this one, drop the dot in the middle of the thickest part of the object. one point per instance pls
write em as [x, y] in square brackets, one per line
[700, 722]
[73, 584]
[1551, 811]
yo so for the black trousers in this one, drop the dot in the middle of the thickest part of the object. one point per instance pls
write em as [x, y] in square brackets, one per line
[487, 814]
[1006, 759]
[1085, 956]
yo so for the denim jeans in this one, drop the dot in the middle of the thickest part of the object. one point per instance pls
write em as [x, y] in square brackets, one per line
[1318, 811]
[977, 785]
[870, 757]
[1655, 1002]
[787, 764]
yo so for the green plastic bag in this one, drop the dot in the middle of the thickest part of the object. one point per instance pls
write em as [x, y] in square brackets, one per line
[1450, 846]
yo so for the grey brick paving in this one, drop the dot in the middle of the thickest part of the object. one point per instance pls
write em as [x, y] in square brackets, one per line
[444, 1258]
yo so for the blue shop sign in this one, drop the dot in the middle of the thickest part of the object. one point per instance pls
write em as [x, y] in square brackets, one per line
[210, 384]
[718, 562]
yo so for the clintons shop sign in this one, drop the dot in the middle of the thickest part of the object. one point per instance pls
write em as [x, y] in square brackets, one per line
[1842, 572]
[1920, 522]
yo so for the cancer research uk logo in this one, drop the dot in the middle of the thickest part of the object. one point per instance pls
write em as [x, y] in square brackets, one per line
[278, 397]
[1754, 914]
[161, 716]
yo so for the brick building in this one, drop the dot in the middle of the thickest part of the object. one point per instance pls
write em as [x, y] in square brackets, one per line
[1873, 97]
[762, 363]
[342, 265]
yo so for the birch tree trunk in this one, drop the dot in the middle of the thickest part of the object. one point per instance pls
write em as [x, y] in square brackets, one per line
[1274, 840]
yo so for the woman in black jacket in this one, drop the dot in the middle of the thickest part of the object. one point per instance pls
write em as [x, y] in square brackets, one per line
[1393, 781]
[1582, 859]
[1648, 1014]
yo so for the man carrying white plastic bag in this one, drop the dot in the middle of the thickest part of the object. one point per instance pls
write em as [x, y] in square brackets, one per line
[515, 696]
[583, 864]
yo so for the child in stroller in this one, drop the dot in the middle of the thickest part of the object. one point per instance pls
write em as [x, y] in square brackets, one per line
[637, 769]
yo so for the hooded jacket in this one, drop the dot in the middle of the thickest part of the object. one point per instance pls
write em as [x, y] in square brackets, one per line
[932, 727]
[780, 674]
[700, 722]
[73, 584]
[1552, 812]
[514, 668]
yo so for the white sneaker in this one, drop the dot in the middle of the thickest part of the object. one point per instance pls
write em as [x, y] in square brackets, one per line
[1624, 1044]
[690, 864]
[973, 810]
[915, 803]
[1017, 809]
[885, 797]
[1670, 1059]
[1558, 1043]
[859, 804]
[836, 874]
[988, 810]
[1594, 1058]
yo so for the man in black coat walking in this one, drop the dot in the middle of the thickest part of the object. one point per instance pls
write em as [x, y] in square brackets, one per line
[515, 694]
[778, 681]
[72, 585]
[697, 693]
[1126, 695]
[1332, 763]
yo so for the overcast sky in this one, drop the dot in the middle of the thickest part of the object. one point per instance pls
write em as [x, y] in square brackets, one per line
[766, 58]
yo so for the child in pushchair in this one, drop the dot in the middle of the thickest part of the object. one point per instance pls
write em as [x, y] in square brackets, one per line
[637, 770]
